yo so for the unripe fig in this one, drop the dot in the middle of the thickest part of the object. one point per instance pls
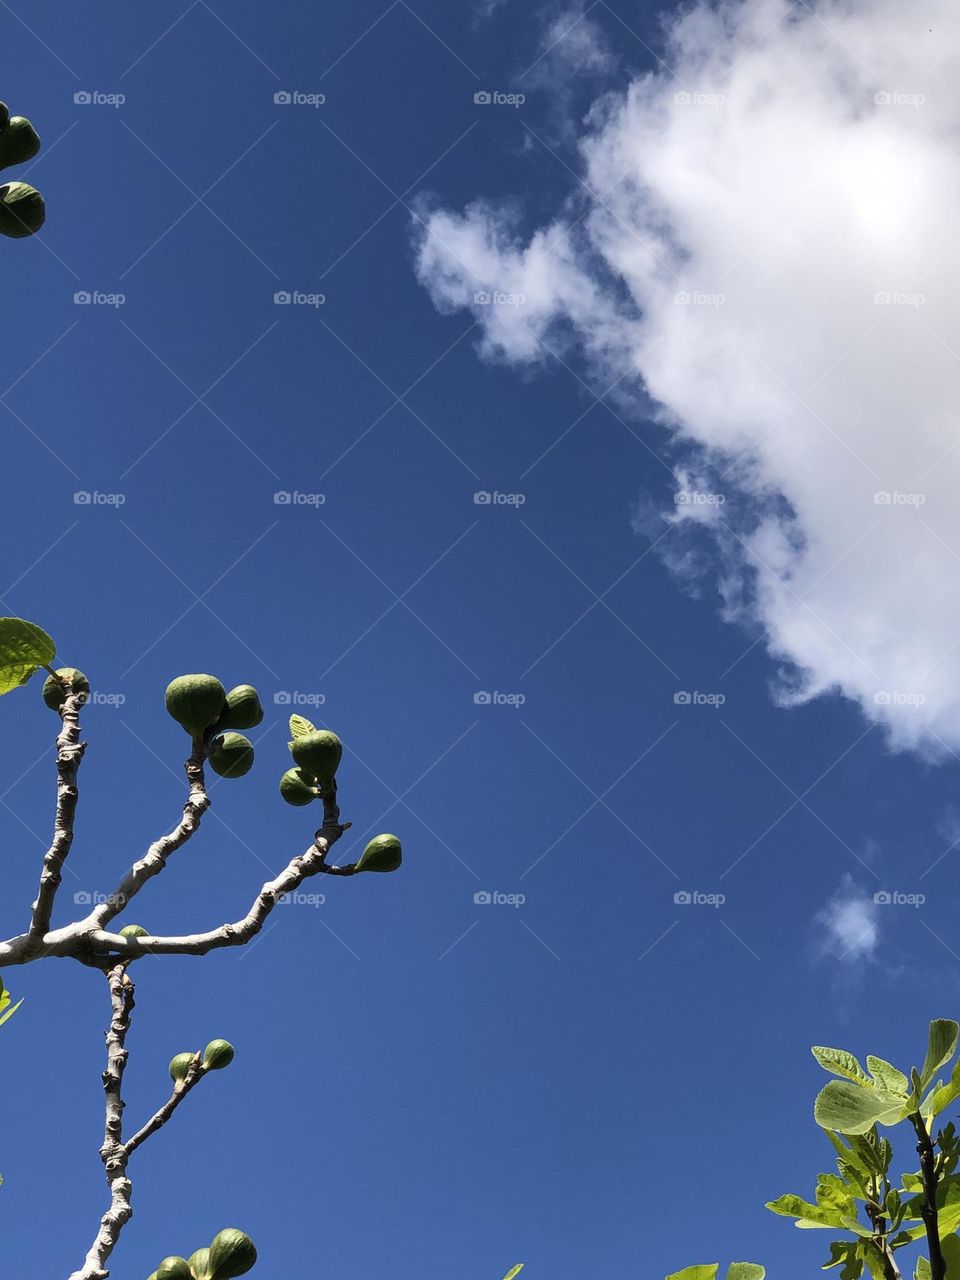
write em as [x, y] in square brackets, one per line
[22, 210]
[218, 1054]
[180, 1065]
[199, 1263]
[383, 853]
[195, 702]
[134, 931]
[231, 755]
[4, 115]
[232, 1253]
[174, 1268]
[296, 788]
[19, 141]
[318, 755]
[53, 694]
[243, 709]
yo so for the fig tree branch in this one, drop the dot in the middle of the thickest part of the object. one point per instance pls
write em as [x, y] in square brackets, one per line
[155, 859]
[69, 754]
[160, 1117]
[928, 1210]
[112, 1152]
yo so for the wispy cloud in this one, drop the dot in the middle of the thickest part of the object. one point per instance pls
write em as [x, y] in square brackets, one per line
[848, 928]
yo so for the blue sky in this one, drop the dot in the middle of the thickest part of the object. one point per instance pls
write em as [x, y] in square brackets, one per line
[425, 1082]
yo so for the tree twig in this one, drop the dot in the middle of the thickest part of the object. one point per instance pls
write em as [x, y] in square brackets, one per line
[928, 1209]
[69, 754]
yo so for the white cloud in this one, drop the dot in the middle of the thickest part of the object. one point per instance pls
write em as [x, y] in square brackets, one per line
[576, 39]
[848, 926]
[794, 164]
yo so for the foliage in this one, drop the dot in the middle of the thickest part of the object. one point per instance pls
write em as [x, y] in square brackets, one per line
[878, 1213]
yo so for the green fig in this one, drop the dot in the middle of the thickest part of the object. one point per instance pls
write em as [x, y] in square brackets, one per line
[232, 1253]
[383, 853]
[231, 755]
[199, 1264]
[19, 142]
[134, 931]
[318, 755]
[195, 702]
[174, 1268]
[243, 709]
[296, 788]
[22, 210]
[217, 1055]
[53, 694]
[4, 115]
[153, 1275]
[180, 1065]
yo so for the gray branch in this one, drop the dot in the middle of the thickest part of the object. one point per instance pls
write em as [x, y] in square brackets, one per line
[69, 754]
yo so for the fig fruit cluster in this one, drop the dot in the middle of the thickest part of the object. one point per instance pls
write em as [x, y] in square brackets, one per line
[316, 755]
[231, 1253]
[208, 712]
[22, 210]
[217, 1055]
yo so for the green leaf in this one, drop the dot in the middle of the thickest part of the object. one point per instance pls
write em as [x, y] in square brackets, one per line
[923, 1270]
[745, 1271]
[514, 1271]
[706, 1272]
[887, 1077]
[941, 1046]
[840, 1063]
[944, 1094]
[807, 1214]
[847, 1253]
[300, 726]
[951, 1255]
[23, 648]
[851, 1109]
